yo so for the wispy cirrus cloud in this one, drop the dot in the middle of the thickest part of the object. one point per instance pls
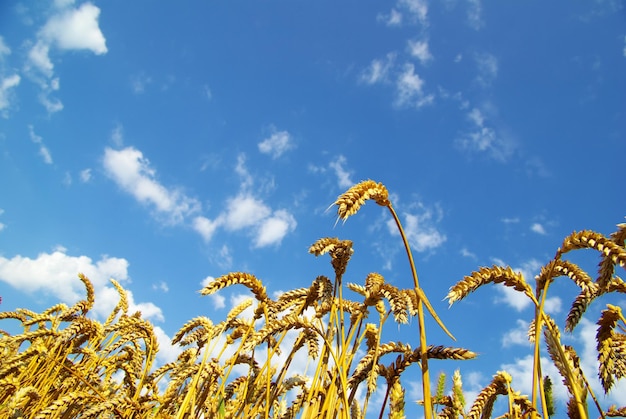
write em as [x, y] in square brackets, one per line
[378, 70]
[43, 150]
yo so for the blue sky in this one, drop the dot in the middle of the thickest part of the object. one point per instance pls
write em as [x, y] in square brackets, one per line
[166, 144]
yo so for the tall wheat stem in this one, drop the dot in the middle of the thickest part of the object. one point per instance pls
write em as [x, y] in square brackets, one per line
[428, 406]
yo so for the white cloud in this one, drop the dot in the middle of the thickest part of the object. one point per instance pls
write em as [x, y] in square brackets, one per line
[161, 286]
[417, 9]
[56, 274]
[378, 70]
[466, 253]
[517, 336]
[244, 211]
[6, 86]
[167, 352]
[242, 171]
[43, 150]
[343, 176]
[85, 175]
[487, 68]
[205, 227]
[484, 139]
[474, 14]
[420, 228]
[4, 48]
[140, 82]
[38, 56]
[117, 135]
[132, 172]
[538, 228]
[409, 88]
[420, 50]
[76, 29]
[276, 144]
[273, 229]
[394, 18]
[510, 220]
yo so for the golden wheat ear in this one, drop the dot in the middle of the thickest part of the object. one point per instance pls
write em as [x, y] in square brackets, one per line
[611, 361]
[351, 201]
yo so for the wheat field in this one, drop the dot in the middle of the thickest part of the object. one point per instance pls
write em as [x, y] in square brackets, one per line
[67, 364]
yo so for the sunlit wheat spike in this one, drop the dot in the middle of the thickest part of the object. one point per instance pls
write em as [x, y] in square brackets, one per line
[396, 400]
[200, 323]
[495, 274]
[324, 245]
[445, 352]
[340, 252]
[22, 398]
[248, 280]
[615, 411]
[607, 265]
[483, 405]
[608, 368]
[592, 240]
[558, 267]
[458, 398]
[122, 304]
[564, 358]
[367, 361]
[579, 306]
[350, 201]
[398, 301]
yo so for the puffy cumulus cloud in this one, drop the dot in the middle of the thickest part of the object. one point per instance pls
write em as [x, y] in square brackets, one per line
[244, 211]
[420, 50]
[56, 274]
[517, 336]
[420, 227]
[410, 89]
[274, 228]
[247, 212]
[131, 171]
[378, 70]
[205, 227]
[482, 138]
[276, 144]
[75, 29]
